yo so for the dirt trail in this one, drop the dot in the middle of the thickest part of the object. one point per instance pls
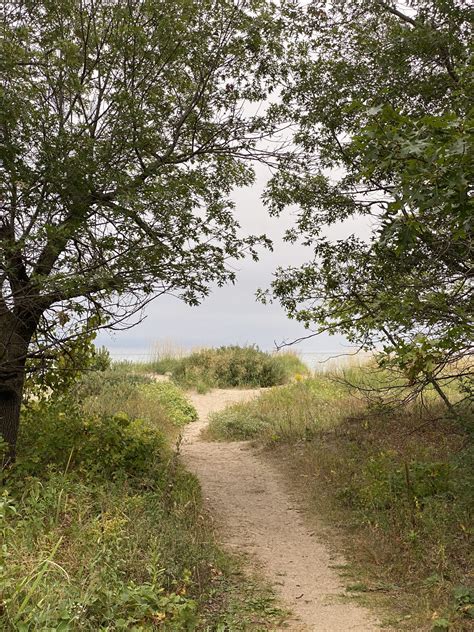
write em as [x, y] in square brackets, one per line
[257, 515]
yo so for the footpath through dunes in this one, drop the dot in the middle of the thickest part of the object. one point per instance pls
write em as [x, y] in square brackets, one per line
[257, 515]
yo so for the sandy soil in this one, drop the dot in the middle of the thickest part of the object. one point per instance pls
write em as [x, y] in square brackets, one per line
[257, 515]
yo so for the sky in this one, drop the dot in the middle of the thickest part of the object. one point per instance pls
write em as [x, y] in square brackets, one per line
[232, 315]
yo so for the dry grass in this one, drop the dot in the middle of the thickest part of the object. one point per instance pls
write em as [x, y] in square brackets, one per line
[169, 349]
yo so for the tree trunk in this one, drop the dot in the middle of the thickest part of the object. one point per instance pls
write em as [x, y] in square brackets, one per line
[13, 351]
[10, 404]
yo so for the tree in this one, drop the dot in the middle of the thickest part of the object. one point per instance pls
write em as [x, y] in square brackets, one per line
[383, 102]
[124, 127]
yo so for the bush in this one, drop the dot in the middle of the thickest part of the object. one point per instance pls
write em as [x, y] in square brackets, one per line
[172, 400]
[57, 435]
[114, 384]
[112, 424]
[231, 367]
[162, 404]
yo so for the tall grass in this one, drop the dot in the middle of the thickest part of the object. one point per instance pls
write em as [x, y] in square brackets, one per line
[103, 529]
[166, 356]
[223, 367]
[290, 413]
[397, 482]
[234, 367]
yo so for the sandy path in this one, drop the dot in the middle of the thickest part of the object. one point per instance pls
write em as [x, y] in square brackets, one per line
[257, 516]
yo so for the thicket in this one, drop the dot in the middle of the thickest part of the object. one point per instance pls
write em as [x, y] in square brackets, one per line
[398, 482]
[231, 367]
[102, 528]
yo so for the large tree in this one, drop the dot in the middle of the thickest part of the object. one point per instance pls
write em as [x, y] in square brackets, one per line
[124, 126]
[382, 99]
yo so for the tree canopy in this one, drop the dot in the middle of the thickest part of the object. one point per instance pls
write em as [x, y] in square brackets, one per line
[382, 100]
[125, 124]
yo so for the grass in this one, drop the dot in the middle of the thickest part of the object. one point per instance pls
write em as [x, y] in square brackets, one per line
[284, 414]
[236, 367]
[137, 395]
[103, 529]
[222, 367]
[167, 356]
[395, 486]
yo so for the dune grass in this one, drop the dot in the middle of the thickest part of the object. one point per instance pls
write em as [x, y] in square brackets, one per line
[395, 486]
[221, 367]
[236, 367]
[289, 413]
[226, 367]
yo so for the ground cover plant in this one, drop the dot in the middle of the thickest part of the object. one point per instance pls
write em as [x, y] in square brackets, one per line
[103, 529]
[396, 482]
[234, 367]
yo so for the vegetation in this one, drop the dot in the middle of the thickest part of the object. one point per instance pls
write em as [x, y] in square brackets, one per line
[103, 529]
[235, 367]
[382, 101]
[166, 355]
[125, 126]
[164, 365]
[398, 484]
[139, 395]
[220, 367]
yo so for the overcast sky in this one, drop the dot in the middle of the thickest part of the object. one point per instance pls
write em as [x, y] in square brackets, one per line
[232, 315]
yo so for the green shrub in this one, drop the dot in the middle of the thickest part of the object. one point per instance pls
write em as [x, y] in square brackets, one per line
[233, 367]
[172, 400]
[161, 404]
[116, 384]
[105, 426]
[56, 434]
